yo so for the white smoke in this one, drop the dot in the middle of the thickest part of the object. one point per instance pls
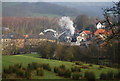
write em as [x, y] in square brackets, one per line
[67, 23]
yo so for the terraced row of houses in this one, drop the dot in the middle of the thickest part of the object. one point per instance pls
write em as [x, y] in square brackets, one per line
[14, 40]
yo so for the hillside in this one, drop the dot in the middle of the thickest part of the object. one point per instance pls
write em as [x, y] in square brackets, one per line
[29, 58]
[36, 9]
[88, 8]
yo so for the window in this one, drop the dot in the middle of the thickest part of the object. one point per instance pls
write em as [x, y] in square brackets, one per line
[6, 44]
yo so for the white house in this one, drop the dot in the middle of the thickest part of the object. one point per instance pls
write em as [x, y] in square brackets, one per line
[100, 25]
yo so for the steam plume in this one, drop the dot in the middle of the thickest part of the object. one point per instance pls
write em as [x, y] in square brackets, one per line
[67, 24]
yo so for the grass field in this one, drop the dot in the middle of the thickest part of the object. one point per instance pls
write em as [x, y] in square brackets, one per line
[29, 58]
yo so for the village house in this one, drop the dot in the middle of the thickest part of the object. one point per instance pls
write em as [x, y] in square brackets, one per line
[100, 25]
[11, 40]
[84, 36]
[102, 33]
[36, 39]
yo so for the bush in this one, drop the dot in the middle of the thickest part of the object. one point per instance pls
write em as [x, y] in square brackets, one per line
[78, 63]
[103, 76]
[117, 75]
[90, 76]
[62, 71]
[100, 67]
[28, 74]
[6, 70]
[13, 68]
[30, 67]
[40, 72]
[90, 65]
[84, 67]
[107, 76]
[110, 75]
[76, 69]
[67, 73]
[76, 76]
[18, 66]
[20, 73]
[46, 67]
[62, 67]
[33, 66]
[56, 69]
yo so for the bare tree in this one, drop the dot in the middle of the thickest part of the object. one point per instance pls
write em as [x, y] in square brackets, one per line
[113, 12]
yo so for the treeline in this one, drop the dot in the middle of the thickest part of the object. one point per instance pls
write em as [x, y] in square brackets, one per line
[34, 25]
[107, 55]
[28, 25]
[84, 22]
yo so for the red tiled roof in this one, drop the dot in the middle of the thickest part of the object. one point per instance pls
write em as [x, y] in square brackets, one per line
[102, 31]
[87, 32]
[25, 36]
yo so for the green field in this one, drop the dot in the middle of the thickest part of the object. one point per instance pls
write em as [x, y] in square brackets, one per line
[29, 58]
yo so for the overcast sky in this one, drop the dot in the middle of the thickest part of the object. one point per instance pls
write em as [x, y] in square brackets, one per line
[60, 0]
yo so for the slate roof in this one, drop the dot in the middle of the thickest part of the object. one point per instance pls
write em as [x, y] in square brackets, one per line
[33, 36]
[46, 36]
[12, 36]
